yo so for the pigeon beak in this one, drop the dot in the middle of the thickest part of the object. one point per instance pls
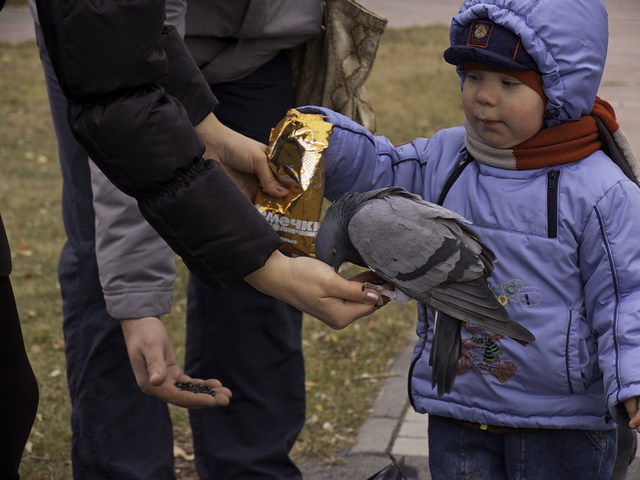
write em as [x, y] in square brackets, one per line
[335, 261]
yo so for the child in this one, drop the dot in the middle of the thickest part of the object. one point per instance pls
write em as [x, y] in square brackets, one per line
[550, 184]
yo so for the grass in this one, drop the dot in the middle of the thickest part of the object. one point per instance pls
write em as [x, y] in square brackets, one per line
[414, 94]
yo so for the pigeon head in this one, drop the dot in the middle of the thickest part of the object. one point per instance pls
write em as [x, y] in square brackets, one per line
[333, 245]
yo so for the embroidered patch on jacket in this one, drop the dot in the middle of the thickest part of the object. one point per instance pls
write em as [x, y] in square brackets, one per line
[481, 354]
[479, 34]
[515, 290]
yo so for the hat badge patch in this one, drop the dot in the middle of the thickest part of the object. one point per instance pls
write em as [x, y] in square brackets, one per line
[479, 34]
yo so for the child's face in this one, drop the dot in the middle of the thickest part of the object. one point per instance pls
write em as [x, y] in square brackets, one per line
[502, 109]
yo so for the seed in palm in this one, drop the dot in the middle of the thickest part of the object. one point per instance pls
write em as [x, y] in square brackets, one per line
[195, 388]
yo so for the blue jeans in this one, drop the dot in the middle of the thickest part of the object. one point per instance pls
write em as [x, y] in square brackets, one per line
[462, 453]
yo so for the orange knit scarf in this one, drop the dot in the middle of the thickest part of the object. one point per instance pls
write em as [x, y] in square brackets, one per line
[566, 143]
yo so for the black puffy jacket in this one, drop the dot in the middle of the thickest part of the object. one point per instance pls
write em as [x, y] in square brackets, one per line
[134, 95]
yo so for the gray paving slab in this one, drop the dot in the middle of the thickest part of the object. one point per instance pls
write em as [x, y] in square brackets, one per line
[409, 13]
[16, 25]
[388, 410]
[389, 403]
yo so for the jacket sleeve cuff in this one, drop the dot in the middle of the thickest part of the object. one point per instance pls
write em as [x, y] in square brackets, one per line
[217, 231]
[140, 303]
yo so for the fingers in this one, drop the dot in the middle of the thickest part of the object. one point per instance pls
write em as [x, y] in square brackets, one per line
[353, 290]
[157, 370]
[174, 387]
[183, 391]
[360, 294]
[187, 399]
[190, 392]
[267, 178]
[632, 406]
[372, 282]
[347, 302]
[635, 422]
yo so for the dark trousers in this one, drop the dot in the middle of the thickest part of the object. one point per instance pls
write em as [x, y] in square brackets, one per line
[256, 338]
[118, 432]
[19, 391]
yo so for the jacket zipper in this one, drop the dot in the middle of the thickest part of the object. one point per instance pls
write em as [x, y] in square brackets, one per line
[552, 203]
[455, 174]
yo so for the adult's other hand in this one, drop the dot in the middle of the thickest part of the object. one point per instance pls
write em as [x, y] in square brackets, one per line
[155, 368]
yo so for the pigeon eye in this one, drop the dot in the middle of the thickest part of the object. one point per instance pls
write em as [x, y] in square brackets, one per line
[333, 252]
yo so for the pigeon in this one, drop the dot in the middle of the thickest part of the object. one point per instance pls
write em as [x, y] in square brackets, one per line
[428, 253]
[397, 470]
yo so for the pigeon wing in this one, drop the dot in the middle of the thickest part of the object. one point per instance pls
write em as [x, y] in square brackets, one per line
[403, 242]
[422, 249]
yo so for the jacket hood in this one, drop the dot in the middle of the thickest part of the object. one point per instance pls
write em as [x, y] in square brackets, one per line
[567, 39]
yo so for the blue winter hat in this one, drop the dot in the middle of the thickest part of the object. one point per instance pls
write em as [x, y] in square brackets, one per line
[488, 43]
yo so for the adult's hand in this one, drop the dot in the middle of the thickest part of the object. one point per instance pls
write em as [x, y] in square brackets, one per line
[155, 368]
[242, 157]
[633, 409]
[315, 288]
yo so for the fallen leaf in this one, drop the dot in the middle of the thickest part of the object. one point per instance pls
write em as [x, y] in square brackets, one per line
[23, 248]
[179, 452]
[327, 426]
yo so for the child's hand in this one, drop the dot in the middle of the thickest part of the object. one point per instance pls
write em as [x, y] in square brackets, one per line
[633, 409]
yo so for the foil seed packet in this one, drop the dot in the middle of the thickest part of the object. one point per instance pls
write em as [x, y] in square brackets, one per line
[295, 156]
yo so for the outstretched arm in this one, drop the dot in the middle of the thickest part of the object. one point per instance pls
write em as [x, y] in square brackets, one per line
[315, 288]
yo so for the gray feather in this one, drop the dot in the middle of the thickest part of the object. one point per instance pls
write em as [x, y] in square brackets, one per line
[427, 252]
[446, 349]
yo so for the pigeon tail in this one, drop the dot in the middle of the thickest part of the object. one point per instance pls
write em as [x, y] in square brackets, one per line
[446, 350]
